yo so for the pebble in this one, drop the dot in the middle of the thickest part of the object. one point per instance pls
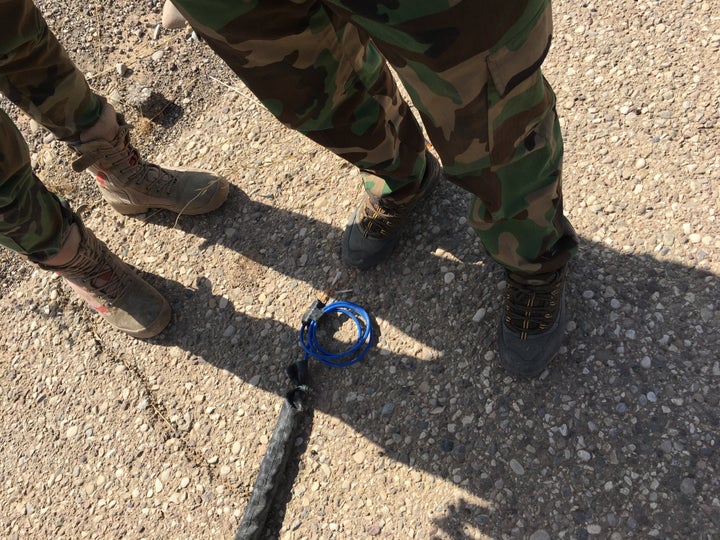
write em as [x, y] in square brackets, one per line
[229, 331]
[584, 455]
[651, 397]
[594, 529]
[646, 363]
[447, 445]
[449, 277]
[71, 432]
[516, 467]
[687, 486]
[479, 315]
[388, 409]
[359, 457]
[540, 534]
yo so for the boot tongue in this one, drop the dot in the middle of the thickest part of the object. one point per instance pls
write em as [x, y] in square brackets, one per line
[97, 149]
[83, 162]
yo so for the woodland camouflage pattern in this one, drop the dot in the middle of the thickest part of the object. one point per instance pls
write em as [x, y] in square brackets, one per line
[472, 69]
[37, 75]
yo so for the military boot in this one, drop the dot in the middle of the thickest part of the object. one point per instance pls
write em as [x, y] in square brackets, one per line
[132, 185]
[109, 286]
[533, 322]
[374, 228]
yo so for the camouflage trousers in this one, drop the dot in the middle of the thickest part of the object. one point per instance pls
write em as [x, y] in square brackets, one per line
[471, 68]
[37, 76]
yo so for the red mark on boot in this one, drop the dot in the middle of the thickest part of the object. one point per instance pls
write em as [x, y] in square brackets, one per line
[103, 278]
[101, 178]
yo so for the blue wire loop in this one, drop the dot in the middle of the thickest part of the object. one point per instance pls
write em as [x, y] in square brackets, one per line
[312, 347]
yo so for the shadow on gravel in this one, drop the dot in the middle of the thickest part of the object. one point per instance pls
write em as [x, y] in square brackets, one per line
[619, 432]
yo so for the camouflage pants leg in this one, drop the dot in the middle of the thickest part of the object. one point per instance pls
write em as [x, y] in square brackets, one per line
[472, 68]
[33, 221]
[37, 75]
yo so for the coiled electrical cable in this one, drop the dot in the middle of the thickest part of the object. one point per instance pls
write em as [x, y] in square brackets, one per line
[311, 345]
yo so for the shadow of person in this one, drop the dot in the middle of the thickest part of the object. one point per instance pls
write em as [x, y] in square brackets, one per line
[628, 396]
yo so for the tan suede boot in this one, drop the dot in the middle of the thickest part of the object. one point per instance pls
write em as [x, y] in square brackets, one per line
[132, 185]
[108, 285]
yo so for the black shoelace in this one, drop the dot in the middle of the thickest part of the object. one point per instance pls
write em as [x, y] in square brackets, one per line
[532, 303]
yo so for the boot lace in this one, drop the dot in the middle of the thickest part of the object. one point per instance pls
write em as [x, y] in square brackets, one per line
[379, 218]
[123, 160]
[532, 303]
[93, 269]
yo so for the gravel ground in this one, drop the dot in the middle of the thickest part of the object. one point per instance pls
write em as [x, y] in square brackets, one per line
[104, 436]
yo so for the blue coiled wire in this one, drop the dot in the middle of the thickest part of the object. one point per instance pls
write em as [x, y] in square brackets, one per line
[311, 345]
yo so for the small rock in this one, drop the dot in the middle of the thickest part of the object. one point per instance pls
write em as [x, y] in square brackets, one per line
[516, 467]
[229, 331]
[540, 534]
[479, 315]
[359, 457]
[687, 486]
[447, 445]
[449, 277]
